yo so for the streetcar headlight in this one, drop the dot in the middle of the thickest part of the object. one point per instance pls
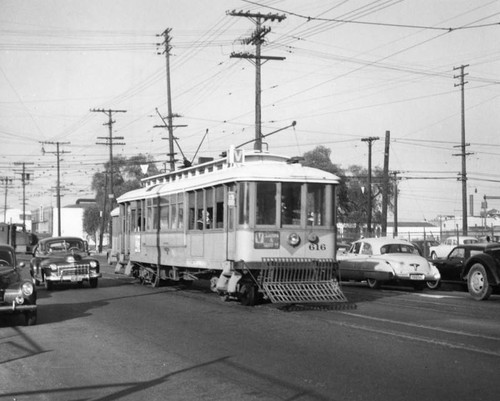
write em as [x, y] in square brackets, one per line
[294, 239]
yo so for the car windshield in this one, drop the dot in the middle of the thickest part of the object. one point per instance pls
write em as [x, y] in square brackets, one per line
[6, 258]
[398, 248]
[65, 245]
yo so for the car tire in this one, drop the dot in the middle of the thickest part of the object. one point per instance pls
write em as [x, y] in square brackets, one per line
[93, 282]
[49, 285]
[433, 255]
[30, 318]
[433, 285]
[477, 282]
[373, 283]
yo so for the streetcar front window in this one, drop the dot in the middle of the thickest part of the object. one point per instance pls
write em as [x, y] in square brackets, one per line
[316, 205]
[266, 203]
[291, 203]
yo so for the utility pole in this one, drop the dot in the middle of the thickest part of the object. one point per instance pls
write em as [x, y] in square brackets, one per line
[58, 153]
[7, 181]
[173, 138]
[170, 116]
[257, 39]
[369, 207]
[385, 191]
[463, 153]
[395, 231]
[109, 142]
[25, 177]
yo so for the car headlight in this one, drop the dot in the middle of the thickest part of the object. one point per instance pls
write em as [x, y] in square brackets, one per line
[53, 267]
[294, 239]
[93, 264]
[27, 288]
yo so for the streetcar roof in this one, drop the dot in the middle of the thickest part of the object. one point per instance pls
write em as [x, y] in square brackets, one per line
[257, 166]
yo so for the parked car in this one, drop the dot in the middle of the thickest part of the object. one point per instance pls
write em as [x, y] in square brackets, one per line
[483, 272]
[386, 260]
[424, 246]
[64, 260]
[452, 268]
[17, 293]
[443, 249]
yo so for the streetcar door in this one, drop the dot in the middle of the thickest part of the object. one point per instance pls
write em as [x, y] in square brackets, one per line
[231, 213]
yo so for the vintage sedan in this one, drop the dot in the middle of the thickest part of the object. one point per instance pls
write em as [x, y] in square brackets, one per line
[386, 260]
[64, 260]
[17, 293]
[443, 249]
[452, 268]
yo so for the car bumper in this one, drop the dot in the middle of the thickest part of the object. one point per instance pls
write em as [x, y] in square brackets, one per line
[77, 278]
[14, 307]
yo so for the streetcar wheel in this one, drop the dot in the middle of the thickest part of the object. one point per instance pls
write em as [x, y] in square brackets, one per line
[155, 279]
[433, 285]
[478, 284]
[373, 283]
[248, 294]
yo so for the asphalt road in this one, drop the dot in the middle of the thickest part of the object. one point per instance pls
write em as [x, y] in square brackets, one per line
[124, 341]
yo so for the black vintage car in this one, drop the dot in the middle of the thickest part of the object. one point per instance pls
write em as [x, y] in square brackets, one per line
[17, 293]
[477, 265]
[64, 260]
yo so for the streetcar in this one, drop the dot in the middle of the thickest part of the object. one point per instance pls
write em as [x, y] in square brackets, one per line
[254, 223]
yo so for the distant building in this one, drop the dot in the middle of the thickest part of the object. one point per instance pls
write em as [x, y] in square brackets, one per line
[15, 216]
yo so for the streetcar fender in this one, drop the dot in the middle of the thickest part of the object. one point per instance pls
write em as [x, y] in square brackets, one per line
[232, 286]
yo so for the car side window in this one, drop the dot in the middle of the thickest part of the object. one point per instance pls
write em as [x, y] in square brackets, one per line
[355, 248]
[457, 253]
[367, 249]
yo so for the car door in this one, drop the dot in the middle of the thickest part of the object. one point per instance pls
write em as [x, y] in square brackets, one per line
[451, 270]
[348, 264]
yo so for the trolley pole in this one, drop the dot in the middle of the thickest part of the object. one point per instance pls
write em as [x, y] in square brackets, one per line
[58, 153]
[463, 153]
[257, 39]
[369, 207]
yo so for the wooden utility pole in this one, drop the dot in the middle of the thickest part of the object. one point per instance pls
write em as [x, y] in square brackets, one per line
[111, 193]
[58, 153]
[395, 231]
[257, 39]
[170, 116]
[25, 177]
[369, 206]
[7, 181]
[385, 191]
[463, 153]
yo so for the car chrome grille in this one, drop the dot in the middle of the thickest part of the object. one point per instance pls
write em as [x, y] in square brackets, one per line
[73, 269]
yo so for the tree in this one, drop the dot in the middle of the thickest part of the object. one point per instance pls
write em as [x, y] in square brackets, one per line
[127, 175]
[92, 221]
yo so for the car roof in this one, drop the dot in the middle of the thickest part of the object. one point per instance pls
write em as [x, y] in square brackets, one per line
[380, 241]
[52, 239]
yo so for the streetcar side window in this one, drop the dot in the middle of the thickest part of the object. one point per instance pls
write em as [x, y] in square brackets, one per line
[219, 207]
[164, 212]
[291, 203]
[150, 215]
[209, 207]
[266, 203]
[174, 216]
[191, 210]
[200, 211]
[244, 203]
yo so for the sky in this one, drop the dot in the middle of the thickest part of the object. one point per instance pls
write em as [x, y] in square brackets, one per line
[352, 69]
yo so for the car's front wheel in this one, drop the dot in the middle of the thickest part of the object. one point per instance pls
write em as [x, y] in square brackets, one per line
[433, 255]
[433, 285]
[93, 282]
[477, 282]
[373, 283]
[49, 285]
